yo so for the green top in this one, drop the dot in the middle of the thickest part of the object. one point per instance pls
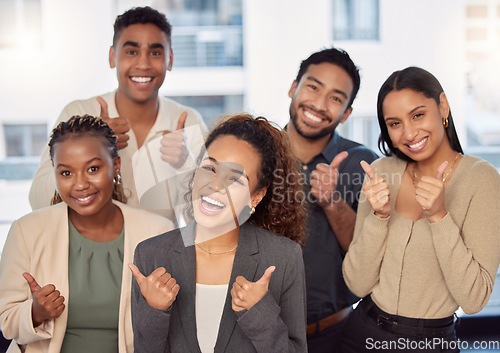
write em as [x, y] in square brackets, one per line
[95, 278]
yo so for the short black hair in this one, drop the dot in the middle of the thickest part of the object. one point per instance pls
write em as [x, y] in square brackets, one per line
[141, 15]
[337, 57]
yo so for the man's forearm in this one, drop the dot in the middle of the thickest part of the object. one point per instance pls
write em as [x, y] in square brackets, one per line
[341, 218]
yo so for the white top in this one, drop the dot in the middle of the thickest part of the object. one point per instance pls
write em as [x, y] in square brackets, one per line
[210, 301]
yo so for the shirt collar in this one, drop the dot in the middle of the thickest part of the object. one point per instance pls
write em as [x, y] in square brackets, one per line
[332, 148]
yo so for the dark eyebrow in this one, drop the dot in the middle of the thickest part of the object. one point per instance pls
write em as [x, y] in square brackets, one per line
[88, 162]
[416, 108]
[131, 44]
[156, 46]
[237, 171]
[151, 46]
[321, 84]
[409, 113]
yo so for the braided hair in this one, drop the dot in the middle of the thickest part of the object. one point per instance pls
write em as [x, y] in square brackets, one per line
[86, 125]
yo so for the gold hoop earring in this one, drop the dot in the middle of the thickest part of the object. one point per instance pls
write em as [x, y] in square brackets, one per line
[117, 180]
[445, 123]
[252, 211]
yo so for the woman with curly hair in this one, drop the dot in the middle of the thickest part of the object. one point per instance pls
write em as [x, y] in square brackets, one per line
[225, 284]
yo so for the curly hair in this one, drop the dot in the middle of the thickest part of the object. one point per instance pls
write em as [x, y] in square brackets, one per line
[87, 125]
[279, 211]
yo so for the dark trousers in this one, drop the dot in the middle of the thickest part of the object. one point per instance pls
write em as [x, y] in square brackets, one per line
[327, 340]
[362, 333]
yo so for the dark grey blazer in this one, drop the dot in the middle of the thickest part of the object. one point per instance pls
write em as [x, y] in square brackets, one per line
[275, 324]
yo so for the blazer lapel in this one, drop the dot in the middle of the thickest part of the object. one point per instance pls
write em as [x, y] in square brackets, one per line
[244, 265]
[184, 267]
[58, 252]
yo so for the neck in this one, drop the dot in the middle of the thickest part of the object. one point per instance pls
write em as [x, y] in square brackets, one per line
[137, 113]
[303, 148]
[217, 241]
[108, 216]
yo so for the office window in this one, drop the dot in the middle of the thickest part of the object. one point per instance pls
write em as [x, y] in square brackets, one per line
[356, 19]
[212, 108]
[20, 23]
[205, 32]
[25, 140]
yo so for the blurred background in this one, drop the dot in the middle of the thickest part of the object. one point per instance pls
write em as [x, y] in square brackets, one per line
[242, 55]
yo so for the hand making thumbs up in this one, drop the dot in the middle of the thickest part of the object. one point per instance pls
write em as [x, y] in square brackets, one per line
[119, 125]
[159, 289]
[377, 192]
[429, 193]
[173, 148]
[324, 180]
[48, 303]
[246, 294]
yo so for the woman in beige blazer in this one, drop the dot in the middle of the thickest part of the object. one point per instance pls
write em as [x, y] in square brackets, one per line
[42, 301]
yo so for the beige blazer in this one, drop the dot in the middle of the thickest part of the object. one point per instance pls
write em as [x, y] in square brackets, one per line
[38, 243]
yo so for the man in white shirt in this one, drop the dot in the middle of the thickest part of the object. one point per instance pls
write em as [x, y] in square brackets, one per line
[151, 130]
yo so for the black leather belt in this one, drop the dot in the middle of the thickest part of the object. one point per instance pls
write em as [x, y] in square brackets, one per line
[412, 327]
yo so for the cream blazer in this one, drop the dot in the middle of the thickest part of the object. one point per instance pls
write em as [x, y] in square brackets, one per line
[38, 243]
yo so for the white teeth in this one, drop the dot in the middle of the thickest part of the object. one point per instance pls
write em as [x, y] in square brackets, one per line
[418, 144]
[141, 79]
[85, 198]
[212, 201]
[312, 117]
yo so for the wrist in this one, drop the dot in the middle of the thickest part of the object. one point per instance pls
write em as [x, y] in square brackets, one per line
[437, 217]
[333, 204]
[381, 215]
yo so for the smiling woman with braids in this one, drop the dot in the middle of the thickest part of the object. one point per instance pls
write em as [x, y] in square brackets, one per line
[75, 294]
[225, 284]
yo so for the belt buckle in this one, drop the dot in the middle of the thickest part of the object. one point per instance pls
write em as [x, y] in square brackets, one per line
[381, 319]
[387, 323]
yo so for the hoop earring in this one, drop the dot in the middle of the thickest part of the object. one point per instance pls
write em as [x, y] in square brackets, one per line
[445, 123]
[117, 180]
[252, 211]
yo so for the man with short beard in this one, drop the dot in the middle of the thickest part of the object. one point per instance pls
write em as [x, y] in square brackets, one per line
[322, 96]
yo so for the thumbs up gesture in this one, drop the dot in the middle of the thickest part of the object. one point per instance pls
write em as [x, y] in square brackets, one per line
[377, 192]
[324, 180]
[429, 193]
[159, 289]
[246, 294]
[173, 147]
[48, 303]
[119, 125]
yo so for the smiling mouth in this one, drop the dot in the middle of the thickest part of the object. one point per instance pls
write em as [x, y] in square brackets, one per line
[83, 200]
[211, 206]
[141, 79]
[312, 117]
[419, 144]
